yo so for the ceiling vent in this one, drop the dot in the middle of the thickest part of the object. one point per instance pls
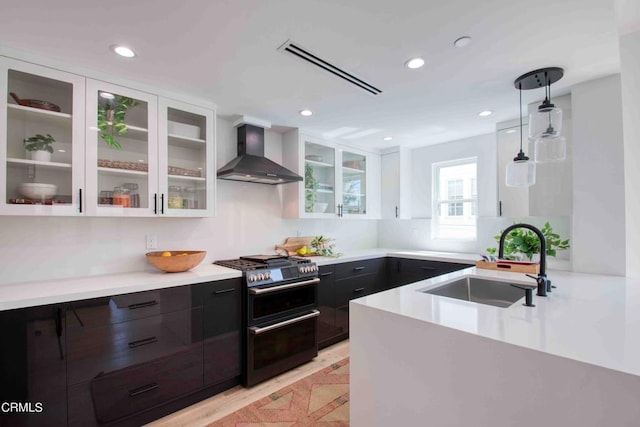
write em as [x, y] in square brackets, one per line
[295, 49]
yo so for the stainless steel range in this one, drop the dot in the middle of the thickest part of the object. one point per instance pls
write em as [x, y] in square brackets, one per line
[280, 313]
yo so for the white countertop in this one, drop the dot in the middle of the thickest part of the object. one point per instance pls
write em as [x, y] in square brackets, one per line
[27, 294]
[590, 318]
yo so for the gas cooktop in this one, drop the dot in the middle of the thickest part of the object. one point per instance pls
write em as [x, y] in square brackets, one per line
[253, 262]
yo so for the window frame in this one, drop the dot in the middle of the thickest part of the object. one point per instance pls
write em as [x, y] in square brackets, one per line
[437, 202]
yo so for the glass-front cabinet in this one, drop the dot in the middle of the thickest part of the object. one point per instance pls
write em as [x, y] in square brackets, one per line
[41, 140]
[354, 183]
[337, 180]
[122, 151]
[319, 179]
[186, 159]
[71, 145]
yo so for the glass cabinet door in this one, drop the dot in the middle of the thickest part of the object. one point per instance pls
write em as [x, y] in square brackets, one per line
[122, 151]
[319, 179]
[354, 183]
[41, 143]
[186, 159]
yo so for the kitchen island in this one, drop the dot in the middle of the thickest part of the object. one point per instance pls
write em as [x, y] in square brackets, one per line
[574, 359]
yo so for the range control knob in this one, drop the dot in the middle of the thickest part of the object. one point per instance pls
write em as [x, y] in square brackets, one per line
[251, 278]
[260, 276]
[267, 275]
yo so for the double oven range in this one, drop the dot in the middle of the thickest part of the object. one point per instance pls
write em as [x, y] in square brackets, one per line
[280, 313]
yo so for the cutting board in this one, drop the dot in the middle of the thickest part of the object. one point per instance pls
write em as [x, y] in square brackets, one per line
[513, 266]
[292, 244]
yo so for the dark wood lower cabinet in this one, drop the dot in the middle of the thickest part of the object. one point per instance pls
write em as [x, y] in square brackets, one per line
[33, 367]
[120, 361]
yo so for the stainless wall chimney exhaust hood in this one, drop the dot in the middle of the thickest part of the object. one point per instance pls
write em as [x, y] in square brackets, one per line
[251, 165]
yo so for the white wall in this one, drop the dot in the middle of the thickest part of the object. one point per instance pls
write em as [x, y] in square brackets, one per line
[598, 177]
[249, 221]
[630, 73]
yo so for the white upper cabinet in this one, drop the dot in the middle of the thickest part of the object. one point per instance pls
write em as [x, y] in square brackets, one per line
[71, 145]
[42, 119]
[122, 151]
[186, 159]
[396, 183]
[338, 181]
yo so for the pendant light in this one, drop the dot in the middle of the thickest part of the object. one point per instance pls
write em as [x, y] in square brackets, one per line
[521, 172]
[545, 124]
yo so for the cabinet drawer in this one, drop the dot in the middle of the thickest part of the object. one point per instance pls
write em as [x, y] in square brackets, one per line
[358, 268]
[121, 308]
[128, 391]
[355, 287]
[91, 351]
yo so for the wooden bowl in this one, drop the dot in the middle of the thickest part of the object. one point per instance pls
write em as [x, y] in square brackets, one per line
[177, 262]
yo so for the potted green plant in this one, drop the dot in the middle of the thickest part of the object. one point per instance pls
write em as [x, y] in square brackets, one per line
[311, 187]
[111, 114]
[521, 243]
[40, 147]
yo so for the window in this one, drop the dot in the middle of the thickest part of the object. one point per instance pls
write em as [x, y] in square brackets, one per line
[455, 199]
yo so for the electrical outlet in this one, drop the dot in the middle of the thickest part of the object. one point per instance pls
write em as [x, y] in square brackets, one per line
[151, 241]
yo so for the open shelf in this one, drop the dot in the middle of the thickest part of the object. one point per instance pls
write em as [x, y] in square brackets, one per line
[37, 112]
[135, 132]
[349, 170]
[319, 164]
[121, 172]
[187, 178]
[44, 165]
[185, 141]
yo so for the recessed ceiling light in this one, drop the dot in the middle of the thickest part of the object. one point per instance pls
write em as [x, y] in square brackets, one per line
[462, 41]
[485, 113]
[123, 51]
[387, 138]
[306, 113]
[62, 151]
[414, 63]
[107, 95]
[511, 131]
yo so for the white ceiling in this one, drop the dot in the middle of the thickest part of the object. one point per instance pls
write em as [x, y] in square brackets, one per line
[226, 51]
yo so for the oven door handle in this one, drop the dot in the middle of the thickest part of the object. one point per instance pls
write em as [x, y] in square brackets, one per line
[257, 331]
[255, 291]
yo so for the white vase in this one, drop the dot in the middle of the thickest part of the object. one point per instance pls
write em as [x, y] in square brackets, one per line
[41, 156]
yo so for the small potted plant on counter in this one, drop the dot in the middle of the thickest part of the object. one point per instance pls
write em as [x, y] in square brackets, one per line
[40, 147]
[522, 243]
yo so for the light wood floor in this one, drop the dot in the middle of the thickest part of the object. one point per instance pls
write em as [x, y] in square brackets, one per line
[221, 405]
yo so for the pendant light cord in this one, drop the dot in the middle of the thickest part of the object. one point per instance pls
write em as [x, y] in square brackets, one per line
[520, 105]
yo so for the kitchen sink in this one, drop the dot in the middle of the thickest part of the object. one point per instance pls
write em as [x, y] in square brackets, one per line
[483, 291]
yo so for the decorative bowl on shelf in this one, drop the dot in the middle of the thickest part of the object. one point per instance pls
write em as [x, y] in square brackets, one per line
[320, 207]
[175, 261]
[37, 191]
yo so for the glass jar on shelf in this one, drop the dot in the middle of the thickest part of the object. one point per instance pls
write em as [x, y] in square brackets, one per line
[133, 193]
[121, 197]
[105, 198]
[176, 201]
[190, 198]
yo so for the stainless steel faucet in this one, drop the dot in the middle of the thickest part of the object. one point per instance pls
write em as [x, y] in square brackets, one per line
[544, 284]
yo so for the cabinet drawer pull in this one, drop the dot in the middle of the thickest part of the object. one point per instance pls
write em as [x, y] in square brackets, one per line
[143, 389]
[142, 304]
[80, 199]
[326, 274]
[224, 291]
[146, 341]
[358, 268]
[358, 290]
[428, 268]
